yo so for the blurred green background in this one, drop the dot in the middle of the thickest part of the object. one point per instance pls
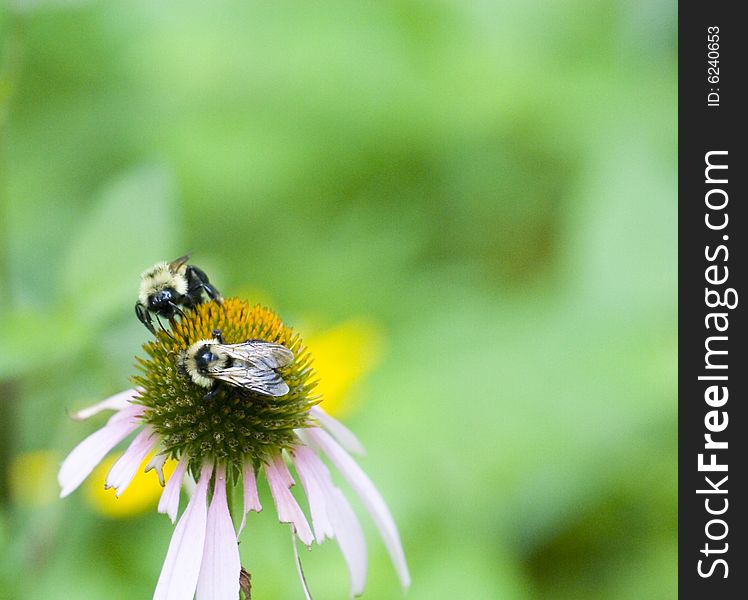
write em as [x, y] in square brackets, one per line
[483, 191]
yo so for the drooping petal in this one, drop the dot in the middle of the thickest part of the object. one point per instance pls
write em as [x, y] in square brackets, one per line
[345, 524]
[116, 402]
[340, 432]
[123, 471]
[219, 571]
[251, 497]
[369, 495]
[90, 452]
[169, 501]
[315, 491]
[179, 574]
[350, 538]
[157, 463]
[289, 511]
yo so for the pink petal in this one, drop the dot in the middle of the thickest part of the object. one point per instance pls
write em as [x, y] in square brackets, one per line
[369, 495]
[134, 411]
[340, 432]
[157, 464]
[350, 539]
[315, 490]
[179, 574]
[251, 497]
[219, 571]
[123, 471]
[116, 402]
[347, 529]
[90, 452]
[169, 501]
[286, 506]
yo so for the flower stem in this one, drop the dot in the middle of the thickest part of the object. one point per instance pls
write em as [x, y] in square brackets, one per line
[299, 568]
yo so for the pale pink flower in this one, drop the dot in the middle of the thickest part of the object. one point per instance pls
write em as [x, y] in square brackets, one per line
[202, 560]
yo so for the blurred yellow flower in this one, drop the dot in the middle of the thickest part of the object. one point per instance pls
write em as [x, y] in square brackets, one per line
[140, 496]
[342, 356]
[32, 477]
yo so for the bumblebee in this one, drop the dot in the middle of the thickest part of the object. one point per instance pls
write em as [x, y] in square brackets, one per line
[252, 365]
[167, 288]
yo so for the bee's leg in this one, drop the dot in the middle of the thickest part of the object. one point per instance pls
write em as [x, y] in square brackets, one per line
[212, 292]
[198, 277]
[194, 294]
[176, 309]
[218, 335]
[213, 392]
[161, 325]
[144, 317]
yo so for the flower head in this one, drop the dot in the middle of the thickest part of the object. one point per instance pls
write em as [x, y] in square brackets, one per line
[241, 425]
[232, 438]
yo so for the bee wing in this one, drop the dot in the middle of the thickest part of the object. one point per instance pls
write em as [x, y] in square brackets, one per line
[259, 354]
[177, 263]
[263, 381]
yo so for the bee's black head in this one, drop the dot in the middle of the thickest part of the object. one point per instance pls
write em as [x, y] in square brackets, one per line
[162, 302]
[204, 358]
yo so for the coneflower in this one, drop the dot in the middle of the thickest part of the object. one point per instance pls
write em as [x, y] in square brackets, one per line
[233, 439]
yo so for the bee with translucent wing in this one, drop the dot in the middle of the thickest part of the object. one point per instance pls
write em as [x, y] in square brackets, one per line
[167, 288]
[252, 365]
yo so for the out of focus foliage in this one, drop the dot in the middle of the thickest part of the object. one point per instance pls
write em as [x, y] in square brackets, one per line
[488, 185]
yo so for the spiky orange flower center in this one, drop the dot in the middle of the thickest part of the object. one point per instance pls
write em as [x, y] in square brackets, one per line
[236, 426]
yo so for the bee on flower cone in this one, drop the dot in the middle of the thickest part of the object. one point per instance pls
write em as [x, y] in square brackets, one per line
[237, 437]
